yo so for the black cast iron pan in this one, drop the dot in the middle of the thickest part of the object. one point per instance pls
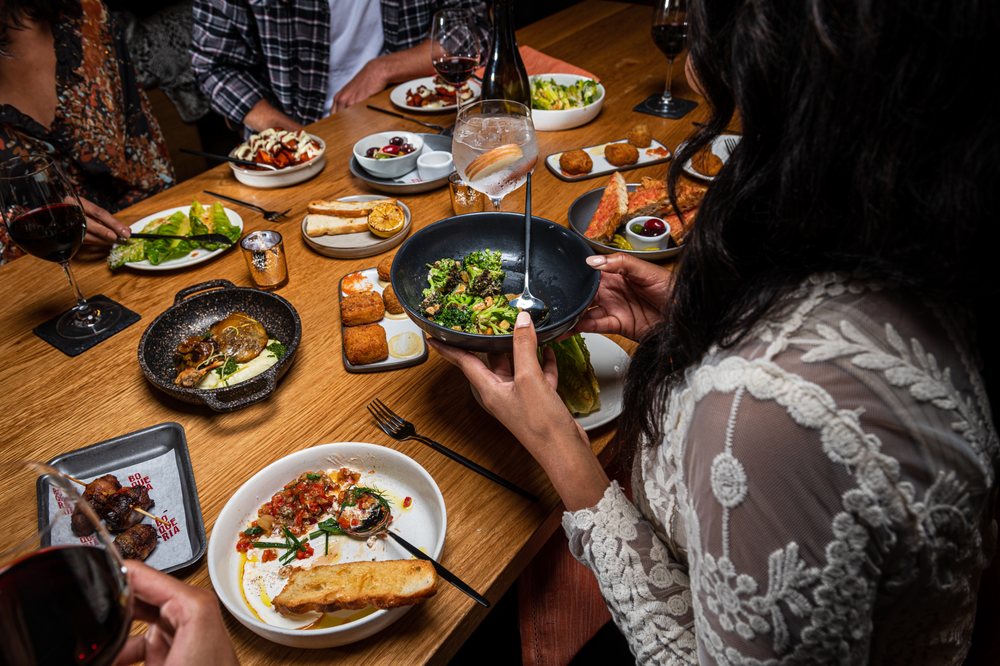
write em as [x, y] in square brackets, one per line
[195, 309]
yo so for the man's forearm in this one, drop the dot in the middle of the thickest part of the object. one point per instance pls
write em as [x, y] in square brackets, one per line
[262, 116]
[405, 65]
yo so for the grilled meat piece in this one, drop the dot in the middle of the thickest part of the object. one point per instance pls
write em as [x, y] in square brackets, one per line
[239, 335]
[97, 494]
[118, 513]
[137, 542]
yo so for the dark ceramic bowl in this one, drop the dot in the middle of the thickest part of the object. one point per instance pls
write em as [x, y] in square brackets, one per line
[560, 274]
[194, 310]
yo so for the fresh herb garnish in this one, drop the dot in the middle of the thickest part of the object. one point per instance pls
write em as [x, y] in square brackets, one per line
[313, 476]
[269, 544]
[326, 544]
[228, 368]
[351, 498]
[328, 527]
[277, 349]
[256, 530]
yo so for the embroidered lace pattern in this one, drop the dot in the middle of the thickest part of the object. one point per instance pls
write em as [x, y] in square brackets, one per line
[823, 494]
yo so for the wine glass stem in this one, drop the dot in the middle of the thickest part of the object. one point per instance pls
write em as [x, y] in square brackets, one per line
[83, 309]
[667, 97]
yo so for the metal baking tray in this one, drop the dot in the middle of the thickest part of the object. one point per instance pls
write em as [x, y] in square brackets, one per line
[121, 454]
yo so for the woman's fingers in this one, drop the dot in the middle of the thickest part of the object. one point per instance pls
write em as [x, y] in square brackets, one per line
[102, 224]
[632, 268]
[133, 652]
[525, 346]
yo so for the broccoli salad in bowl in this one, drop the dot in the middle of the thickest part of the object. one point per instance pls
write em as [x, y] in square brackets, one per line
[467, 295]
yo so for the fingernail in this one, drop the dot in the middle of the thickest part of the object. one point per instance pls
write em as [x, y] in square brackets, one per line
[596, 260]
[523, 320]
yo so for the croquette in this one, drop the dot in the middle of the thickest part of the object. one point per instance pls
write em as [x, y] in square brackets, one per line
[621, 154]
[392, 304]
[364, 308]
[384, 267]
[706, 162]
[576, 162]
[639, 136]
[365, 344]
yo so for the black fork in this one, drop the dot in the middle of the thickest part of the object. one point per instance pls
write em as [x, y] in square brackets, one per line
[399, 428]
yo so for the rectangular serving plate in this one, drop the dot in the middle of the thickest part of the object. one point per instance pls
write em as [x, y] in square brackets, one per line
[654, 154]
[121, 452]
[392, 327]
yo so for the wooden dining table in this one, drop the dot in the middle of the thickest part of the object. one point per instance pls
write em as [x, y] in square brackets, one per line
[53, 403]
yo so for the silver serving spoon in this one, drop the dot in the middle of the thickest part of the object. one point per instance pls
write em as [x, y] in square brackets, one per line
[376, 521]
[533, 305]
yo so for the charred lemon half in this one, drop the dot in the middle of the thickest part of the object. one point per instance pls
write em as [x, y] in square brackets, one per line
[386, 219]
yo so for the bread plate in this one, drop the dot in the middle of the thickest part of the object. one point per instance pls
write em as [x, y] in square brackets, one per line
[195, 257]
[423, 523]
[582, 210]
[408, 183]
[361, 244]
[654, 154]
[398, 96]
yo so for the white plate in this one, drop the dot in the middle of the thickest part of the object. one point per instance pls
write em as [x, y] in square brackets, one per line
[719, 148]
[361, 244]
[398, 95]
[424, 524]
[654, 154]
[196, 256]
[610, 363]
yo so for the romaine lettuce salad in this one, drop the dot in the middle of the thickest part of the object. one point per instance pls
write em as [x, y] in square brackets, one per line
[196, 221]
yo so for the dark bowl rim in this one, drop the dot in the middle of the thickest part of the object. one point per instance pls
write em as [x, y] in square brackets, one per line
[648, 255]
[541, 330]
[169, 387]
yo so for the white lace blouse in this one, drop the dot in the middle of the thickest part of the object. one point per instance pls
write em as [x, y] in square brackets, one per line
[824, 494]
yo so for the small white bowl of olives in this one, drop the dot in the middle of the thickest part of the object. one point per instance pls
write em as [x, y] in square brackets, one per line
[388, 154]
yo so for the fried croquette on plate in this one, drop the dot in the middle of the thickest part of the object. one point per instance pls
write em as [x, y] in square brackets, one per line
[639, 136]
[706, 162]
[384, 266]
[576, 162]
[365, 344]
[621, 154]
[392, 304]
[362, 308]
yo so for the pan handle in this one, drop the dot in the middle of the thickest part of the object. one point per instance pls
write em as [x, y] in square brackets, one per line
[217, 402]
[202, 286]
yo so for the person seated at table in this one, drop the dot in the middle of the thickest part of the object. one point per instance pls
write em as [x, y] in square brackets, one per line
[67, 90]
[184, 622]
[285, 65]
[815, 458]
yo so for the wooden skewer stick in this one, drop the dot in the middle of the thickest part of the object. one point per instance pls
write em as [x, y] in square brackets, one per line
[134, 508]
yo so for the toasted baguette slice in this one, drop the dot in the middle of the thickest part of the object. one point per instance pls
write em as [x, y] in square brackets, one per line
[650, 198]
[328, 225]
[610, 211]
[385, 584]
[345, 208]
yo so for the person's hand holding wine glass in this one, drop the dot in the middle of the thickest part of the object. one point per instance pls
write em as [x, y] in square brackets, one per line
[456, 48]
[670, 35]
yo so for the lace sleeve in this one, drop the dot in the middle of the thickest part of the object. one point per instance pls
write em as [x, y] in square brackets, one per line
[647, 592]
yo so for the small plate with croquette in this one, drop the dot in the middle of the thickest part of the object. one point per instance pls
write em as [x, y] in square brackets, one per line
[708, 162]
[375, 331]
[638, 149]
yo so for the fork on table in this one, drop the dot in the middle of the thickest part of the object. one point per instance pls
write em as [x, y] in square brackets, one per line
[269, 215]
[400, 429]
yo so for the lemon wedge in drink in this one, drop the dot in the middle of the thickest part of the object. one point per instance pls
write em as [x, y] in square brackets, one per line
[386, 219]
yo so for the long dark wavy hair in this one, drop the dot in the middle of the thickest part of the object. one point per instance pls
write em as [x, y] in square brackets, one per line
[14, 12]
[868, 147]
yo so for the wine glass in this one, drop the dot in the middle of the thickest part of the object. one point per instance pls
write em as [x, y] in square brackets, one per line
[669, 33]
[63, 598]
[44, 216]
[455, 47]
[494, 147]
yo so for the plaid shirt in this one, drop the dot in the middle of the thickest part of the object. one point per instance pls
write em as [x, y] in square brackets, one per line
[279, 50]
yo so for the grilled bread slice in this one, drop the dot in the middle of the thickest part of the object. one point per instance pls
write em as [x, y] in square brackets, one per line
[610, 211]
[345, 208]
[650, 198]
[384, 584]
[331, 225]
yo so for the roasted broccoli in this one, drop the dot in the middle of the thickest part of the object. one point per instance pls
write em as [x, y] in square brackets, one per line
[467, 295]
[454, 317]
[442, 276]
[484, 273]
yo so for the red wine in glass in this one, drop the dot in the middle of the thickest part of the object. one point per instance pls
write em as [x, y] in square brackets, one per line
[456, 70]
[456, 47]
[669, 34]
[44, 216]
[62, 605]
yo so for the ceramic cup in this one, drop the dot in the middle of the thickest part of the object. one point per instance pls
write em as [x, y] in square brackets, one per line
[434, 164]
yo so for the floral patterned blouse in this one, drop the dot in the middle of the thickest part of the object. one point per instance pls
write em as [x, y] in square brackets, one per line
[104, 135]
[824, 494]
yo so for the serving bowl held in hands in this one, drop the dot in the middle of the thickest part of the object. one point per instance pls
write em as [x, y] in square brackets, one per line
[194, 310]
[389, 167]
[560, 274]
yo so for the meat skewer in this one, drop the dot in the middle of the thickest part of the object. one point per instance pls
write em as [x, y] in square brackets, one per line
[106, 490]
[137, 542]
